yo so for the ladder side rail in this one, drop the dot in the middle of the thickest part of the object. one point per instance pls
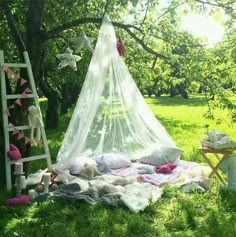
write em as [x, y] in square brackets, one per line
[5, 124]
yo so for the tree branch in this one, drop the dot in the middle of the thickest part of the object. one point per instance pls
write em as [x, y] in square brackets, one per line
[168, 10]
[57, 30]
[216, 4]
[146, 12]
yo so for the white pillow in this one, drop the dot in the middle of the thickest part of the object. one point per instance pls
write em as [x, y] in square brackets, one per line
[114, 161]
[79, 163]
[161, 156]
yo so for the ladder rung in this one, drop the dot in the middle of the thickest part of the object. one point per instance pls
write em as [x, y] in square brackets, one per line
[19, 96]
[18, 128]
[30, 158]
[16, 65]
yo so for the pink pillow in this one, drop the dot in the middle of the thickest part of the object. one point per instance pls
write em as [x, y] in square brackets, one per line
[22, 199]
[14, 153]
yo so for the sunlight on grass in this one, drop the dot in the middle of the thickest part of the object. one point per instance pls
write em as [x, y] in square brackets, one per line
[212, 213]
[184, 120]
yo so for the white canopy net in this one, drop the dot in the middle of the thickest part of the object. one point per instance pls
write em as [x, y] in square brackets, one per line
[111, 115]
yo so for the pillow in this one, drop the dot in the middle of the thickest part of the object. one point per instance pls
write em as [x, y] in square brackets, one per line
[79, 162]
[14, 153]
[22, 199]
[103, 166]
[161, 156]
[113, 161]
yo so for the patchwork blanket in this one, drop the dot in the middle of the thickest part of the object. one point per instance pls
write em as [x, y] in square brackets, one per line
[134, 187]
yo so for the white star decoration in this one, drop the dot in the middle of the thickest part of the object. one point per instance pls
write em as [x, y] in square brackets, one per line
[82, 42]
[68, 59]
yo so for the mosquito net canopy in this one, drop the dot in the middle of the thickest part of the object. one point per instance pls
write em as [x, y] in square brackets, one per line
[111, 115]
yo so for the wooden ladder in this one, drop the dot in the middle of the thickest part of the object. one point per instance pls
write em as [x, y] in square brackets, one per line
[33, 95]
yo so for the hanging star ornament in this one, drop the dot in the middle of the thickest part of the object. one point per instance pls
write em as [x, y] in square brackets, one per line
[68, 59]
[82, 42]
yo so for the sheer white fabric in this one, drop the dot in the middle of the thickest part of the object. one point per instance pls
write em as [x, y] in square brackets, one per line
[111, 115]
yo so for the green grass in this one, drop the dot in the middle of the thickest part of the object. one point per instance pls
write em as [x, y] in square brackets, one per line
[212, 213]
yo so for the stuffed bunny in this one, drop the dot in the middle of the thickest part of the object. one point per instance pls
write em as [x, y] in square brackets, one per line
[35, 121]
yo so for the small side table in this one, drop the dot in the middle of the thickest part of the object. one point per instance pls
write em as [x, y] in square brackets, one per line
[219, 154]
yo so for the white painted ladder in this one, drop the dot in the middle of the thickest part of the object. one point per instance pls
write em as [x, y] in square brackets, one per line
[8, 129]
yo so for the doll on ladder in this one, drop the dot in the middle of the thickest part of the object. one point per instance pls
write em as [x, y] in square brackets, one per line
[35, 122]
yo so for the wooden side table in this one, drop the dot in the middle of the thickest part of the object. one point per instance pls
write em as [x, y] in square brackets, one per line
[218, 154]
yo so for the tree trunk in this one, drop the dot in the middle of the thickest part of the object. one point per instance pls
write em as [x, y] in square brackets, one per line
[173, 91]
[182, 91]
[35, 37]
[66, 100]
[158, 93]
[35, 40]
[52, 110]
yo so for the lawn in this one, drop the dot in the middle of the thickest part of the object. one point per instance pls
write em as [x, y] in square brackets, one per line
[212, 213]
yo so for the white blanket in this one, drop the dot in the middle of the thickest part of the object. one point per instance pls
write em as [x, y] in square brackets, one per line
[137, 196]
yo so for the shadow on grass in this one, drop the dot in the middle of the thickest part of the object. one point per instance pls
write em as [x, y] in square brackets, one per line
[174, 124]
[198, 100]
[78, 219]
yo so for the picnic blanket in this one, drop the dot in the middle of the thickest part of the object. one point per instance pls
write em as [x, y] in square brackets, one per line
[129, 186]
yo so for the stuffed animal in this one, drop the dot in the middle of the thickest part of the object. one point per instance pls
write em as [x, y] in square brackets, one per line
[90, 171]
[14, 153]
[167, 168]
[35, 121]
